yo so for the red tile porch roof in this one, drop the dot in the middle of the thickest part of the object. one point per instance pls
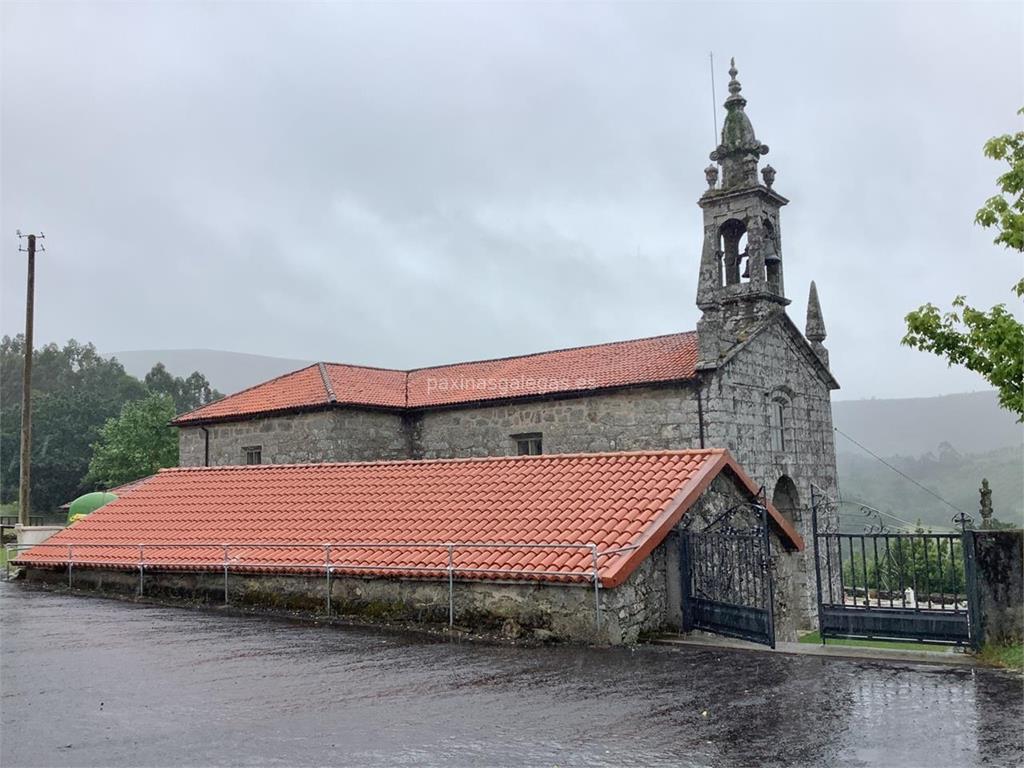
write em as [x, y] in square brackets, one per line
[621, 505]
[321, 385]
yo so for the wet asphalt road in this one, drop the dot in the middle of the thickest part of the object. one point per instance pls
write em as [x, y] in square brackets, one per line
[93, 682]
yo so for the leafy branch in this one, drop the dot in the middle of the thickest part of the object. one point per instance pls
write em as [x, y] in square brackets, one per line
[989, 343]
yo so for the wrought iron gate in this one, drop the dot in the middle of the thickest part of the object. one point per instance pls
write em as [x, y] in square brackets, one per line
[886, 583]
[727, 578]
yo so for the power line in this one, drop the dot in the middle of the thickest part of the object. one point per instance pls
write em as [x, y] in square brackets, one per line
[899, 525]
[902, 474]
[867, 508]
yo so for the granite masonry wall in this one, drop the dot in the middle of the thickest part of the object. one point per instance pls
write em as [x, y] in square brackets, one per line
[737, 410]
[337, 435]
[999, 561]
[646, 418]
[642, 418]
[738, 402]
[514, 609]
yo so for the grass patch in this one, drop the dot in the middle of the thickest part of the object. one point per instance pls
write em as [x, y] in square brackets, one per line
[1006, 656]
[892, 645]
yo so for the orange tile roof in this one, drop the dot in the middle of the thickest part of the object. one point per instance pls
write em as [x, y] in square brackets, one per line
[612, 501]
[641, 361]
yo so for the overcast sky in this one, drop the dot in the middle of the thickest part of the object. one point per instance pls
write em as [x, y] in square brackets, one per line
[404, 185]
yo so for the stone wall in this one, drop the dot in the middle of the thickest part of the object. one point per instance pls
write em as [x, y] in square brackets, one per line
[627, 420]
[337, 435]
[737, 416]
[514, 609]
[642, 418]
[999, 560]
[738, 399]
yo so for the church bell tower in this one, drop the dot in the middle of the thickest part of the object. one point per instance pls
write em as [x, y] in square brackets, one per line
[740, 280]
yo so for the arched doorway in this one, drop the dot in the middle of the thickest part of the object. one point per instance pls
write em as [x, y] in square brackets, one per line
[786, 499]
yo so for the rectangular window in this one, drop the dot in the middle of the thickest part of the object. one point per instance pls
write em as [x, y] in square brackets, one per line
[528, 444]
[253, 454]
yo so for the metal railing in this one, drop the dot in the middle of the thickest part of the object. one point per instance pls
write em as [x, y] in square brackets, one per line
[894, 584]
[9, 521]
[330, 563]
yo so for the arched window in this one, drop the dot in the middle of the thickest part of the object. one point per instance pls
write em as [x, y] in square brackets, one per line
[733, 242]
[786, 499]
[778, 417]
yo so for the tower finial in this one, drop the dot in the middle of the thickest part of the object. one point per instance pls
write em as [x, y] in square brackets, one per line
[739, 150]
[734, 84]
[815, 330]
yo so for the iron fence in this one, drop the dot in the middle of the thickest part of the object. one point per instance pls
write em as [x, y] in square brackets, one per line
[889, 583]
[726, 572]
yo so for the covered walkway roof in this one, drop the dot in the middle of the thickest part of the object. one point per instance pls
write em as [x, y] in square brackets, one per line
[533, 517]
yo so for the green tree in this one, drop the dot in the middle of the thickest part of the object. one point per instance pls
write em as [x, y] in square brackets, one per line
[990, 343]
[187, 393]
[135, 444]
[74, 391]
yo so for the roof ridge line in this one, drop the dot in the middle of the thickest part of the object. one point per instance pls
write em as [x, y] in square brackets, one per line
[551, 351]
[365, 367]
[326, 379]
[463, 460]
[508, 357]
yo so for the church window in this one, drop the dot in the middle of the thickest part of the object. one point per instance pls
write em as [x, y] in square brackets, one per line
[528, 444]
[777, 424]
[253, 454]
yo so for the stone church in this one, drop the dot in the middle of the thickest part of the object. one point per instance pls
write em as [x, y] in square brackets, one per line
[746, 379]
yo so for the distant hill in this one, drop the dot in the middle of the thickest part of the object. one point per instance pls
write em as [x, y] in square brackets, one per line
[947, 444]
[226, 371]
[953, 476]
[970, 423]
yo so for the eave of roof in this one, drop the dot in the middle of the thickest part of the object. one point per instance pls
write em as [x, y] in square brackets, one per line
[685, 499]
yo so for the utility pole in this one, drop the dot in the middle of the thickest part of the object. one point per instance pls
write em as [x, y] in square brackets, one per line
[25, 487]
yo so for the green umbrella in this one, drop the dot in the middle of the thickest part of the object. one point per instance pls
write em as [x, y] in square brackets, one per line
[90, 502]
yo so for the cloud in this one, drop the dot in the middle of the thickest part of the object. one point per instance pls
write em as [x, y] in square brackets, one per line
[412, 184]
